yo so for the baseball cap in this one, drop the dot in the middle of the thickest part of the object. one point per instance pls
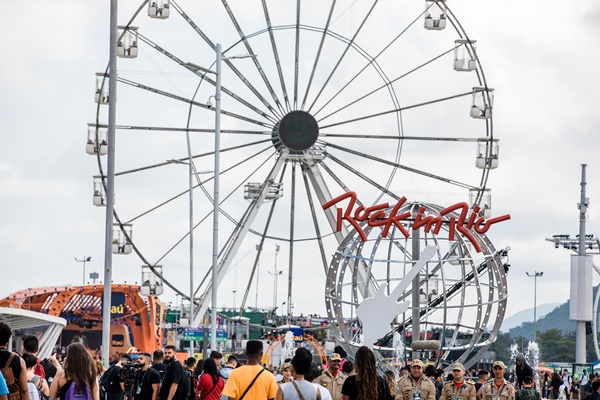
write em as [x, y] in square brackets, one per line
[335, 357]
[458, 366]
[499, 364]
[417, 362]
[284, 366]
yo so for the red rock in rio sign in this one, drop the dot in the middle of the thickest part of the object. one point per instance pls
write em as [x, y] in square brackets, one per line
[376, 216]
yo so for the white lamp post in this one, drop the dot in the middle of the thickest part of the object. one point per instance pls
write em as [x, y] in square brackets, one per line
[215, 249]
[535, 275]
[84, 260]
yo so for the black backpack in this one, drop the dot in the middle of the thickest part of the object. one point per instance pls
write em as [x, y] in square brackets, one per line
[107, 382]
[187, 383]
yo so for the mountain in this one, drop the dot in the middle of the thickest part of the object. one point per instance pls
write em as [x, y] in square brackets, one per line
[555, 319]
[526, 316]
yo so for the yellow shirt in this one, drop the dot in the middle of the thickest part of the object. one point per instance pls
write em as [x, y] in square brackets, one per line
[263, 388]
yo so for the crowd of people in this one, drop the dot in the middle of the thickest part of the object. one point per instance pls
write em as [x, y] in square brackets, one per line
[160, 376]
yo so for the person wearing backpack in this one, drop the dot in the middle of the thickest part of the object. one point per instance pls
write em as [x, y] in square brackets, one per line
[13, 367]
[112, 382]
[40, 386]
[77, 380]
[190, 365]
[173, 383]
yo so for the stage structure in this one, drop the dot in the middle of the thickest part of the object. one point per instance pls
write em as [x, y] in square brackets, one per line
[136, 320]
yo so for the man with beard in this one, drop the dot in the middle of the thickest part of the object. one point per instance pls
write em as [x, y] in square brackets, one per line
[458, 389]
[498, 388]
[415, 386]
[147, 380]
[333, 378]
[172, 384]
[522, 370]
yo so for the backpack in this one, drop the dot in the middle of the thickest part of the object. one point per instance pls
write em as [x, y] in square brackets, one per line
[14, 390]
[39, 384]
[107, 384]
[75, 394]
[187, 384]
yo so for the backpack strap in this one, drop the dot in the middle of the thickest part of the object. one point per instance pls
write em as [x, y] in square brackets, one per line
[37, 382]
[12, 355]
[252, 383]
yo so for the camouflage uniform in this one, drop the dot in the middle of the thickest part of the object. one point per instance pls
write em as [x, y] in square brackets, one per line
[465, 392]
[489, 391]
[408, 389]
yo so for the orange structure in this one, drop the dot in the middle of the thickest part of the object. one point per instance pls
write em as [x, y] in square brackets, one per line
[136, 320]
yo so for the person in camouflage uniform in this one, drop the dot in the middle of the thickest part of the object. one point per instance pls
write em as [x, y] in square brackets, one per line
[458, 389]
[497, 388]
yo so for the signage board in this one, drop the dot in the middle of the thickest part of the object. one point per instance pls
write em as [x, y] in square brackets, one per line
[197, 334]
[298, 334]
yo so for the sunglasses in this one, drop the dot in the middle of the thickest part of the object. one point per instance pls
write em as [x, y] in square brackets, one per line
[496, 367]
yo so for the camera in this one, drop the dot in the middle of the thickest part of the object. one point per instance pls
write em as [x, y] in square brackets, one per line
[128, 370]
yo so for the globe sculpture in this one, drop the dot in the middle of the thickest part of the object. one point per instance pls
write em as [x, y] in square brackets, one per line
[460, 279]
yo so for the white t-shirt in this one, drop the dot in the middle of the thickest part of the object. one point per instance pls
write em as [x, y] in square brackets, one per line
[325, 395]
[33, 392]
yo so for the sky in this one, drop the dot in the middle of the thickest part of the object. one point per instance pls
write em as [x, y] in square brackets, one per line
[539, 56]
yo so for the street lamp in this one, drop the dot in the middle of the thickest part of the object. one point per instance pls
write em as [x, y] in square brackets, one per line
[215, 238]
[535, 275]
[275, 274]
[84, 260]
[191, 212]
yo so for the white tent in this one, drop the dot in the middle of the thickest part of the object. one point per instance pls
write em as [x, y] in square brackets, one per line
[20, 320]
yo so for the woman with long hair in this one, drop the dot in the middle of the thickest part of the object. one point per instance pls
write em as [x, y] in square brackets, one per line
[79, 373]
[196, 375]
[299, 388]
[554, 388]
[390, 377]
[366, 384]
[211, 383]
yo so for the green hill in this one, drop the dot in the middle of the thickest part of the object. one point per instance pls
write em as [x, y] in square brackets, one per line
[556, 319]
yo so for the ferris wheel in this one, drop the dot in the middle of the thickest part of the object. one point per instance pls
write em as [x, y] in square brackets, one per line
[384, 98]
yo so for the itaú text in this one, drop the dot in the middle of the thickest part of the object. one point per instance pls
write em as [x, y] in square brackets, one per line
[376, 215]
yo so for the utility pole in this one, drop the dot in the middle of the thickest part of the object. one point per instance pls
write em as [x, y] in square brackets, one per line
[535, 275]
[580, 309]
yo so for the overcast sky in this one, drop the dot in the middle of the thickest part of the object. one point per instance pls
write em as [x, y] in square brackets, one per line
[541, 57]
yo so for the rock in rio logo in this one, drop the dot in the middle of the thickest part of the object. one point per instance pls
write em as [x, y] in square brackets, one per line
[377, 216]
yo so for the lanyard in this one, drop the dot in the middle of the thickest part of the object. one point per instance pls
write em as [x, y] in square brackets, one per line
[493, 385]
[412, 383]
[459, 389]
[140, 381]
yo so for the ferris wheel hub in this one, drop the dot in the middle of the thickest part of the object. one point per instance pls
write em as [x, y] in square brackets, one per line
[297, 130]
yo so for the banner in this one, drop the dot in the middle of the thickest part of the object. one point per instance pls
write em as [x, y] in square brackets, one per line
[197, 334]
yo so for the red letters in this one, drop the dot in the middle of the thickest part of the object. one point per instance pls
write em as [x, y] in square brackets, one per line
[376, 216]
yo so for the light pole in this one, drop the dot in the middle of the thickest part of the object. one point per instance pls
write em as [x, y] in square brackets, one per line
[84, 260]
[275, 274]
[191, 173]
[535, 275]
[215, 236]
[110, 182]
[581, 308]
